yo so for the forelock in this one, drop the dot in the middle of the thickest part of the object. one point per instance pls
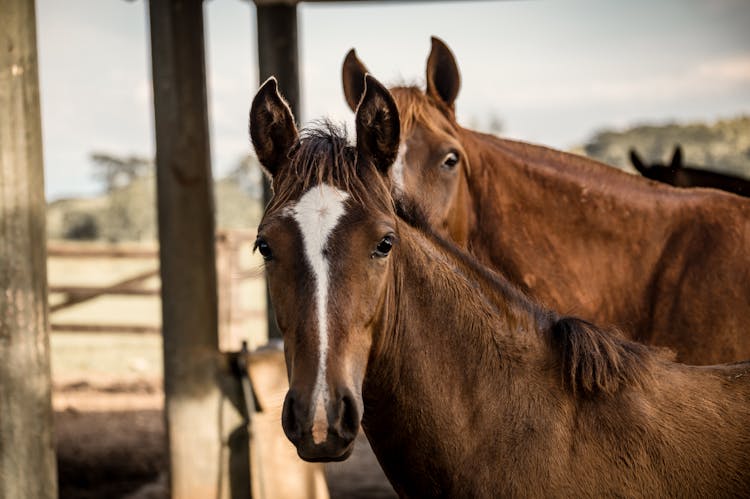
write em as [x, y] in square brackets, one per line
[324, 154]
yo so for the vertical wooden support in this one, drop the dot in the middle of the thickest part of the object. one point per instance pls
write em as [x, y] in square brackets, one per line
[236, 332]
[224, 289]
[195, 410]
[226, 269]
[27, 457]
[278, 56]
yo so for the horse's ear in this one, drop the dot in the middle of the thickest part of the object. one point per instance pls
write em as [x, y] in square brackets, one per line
[443, 78]
[353, 77]
[272, 128]
[378, 126]
[676, 157]
[636, 161]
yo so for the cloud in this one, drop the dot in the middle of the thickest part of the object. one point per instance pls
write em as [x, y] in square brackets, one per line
[701, 79]
[730, 70]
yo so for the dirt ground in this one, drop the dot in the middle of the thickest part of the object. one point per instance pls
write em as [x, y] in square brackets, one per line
[110, 444]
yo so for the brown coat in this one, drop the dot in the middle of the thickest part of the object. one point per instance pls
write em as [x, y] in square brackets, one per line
[668, 267]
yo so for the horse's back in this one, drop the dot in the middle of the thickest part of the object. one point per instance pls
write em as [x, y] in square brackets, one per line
[683, 265]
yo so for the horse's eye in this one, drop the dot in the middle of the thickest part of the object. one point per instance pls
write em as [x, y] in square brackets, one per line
[451, 160]
[263, 248]
[383, 247]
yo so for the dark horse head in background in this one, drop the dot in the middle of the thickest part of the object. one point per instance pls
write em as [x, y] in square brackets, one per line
[678, 175]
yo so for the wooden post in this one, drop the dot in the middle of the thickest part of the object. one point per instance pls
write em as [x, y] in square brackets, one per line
[225, 269]
[195, 408]
[278, 56]
[27, 456]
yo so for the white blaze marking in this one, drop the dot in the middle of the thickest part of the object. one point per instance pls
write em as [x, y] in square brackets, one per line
[398, 168]
[317, 213]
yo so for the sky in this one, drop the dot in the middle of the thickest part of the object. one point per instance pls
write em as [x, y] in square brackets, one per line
[554, 72]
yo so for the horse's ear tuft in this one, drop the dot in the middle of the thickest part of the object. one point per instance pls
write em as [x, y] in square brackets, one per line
[378, 125]
[636, 161]
[272, 128]
[676, 157]
[353, 77]
[443, 78]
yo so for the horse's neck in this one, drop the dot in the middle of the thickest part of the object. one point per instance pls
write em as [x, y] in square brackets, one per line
[550, 221]
[447, 362]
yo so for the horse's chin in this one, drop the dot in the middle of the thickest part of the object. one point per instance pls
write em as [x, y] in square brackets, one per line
[328, 458]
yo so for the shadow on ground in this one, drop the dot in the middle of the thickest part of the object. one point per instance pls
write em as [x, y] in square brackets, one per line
[114, 454]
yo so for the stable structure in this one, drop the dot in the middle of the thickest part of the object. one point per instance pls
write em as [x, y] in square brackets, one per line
[278, 56]
[192, 363]
[194, 377]
[27, 458]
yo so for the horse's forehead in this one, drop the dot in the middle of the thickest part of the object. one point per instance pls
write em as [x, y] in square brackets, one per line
[421, 114]
[317, 212]
[321, 206]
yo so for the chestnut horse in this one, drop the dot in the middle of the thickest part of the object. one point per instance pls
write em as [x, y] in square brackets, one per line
[463, 385]
[679, 175]
[669, 267]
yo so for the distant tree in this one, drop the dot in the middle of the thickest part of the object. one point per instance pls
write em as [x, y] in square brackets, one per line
[495, 125]
[248, 175]
[490, 123]
[80, 226]
[721, 146]
[118, 171]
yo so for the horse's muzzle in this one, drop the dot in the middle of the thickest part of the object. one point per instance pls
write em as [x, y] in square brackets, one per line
[329, 440]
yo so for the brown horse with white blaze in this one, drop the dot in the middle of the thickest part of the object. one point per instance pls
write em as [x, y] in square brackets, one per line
[464, 386]
[669, 267]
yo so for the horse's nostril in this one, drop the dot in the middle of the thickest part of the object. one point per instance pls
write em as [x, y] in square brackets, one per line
[349, 416]
[289, 420]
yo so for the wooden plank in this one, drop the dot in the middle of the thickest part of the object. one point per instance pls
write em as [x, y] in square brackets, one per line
[27, 457]
[68, 250]
[244, 275]
[240, 235]
[278, 56]
[195, 409]
[246, 314]
[224, 260]
[97, 291]
[125, 284]
[60, 249]
[105, 328]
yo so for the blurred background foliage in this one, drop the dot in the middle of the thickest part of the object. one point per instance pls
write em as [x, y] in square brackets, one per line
[723, 146]
[125, 210]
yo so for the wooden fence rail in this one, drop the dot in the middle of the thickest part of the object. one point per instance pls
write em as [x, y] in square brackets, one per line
[232, 314]
[78, 250]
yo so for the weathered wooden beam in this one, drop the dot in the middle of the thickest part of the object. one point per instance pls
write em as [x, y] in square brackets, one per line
[105, 328]
[278, 56]
[27, 457]
[76, 250]
[124, 286]
[91, 292]
[194, 406]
